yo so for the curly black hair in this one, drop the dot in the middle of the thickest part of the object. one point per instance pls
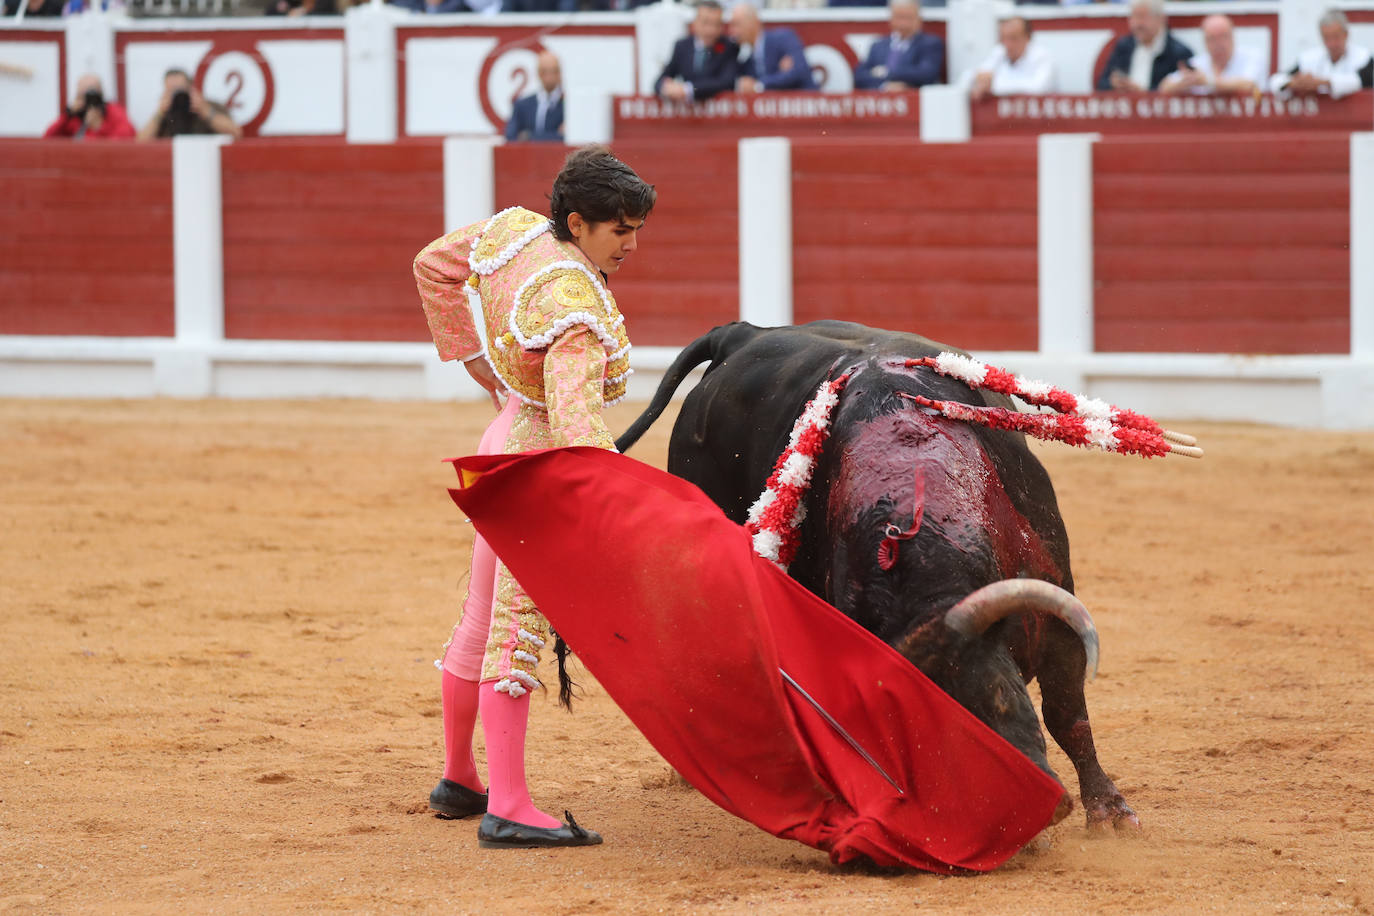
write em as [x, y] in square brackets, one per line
[600, 187]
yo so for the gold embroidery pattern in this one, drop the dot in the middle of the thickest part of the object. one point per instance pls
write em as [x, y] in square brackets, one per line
[522, 220]
[567, 298]
[518, 633]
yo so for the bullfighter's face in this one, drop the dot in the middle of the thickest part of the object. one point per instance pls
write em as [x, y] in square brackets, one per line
[606, 244]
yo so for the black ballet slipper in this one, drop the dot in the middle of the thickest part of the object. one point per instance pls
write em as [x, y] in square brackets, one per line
[452, 801]
[498, 833]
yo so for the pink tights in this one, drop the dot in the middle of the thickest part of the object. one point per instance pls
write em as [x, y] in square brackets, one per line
[503, 719]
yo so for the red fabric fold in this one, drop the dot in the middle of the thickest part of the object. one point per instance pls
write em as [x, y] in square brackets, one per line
[663, 599]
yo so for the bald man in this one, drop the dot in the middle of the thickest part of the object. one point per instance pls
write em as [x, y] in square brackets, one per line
[539, 116]
[769, 59]
[1222, 69]
[904, 59]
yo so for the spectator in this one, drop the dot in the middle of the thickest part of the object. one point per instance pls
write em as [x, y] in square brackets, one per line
[1223, 69]
[183, 110]
[301, 8]
[539, 116]
[1140, 60]
[704, 63]
[1336, 69]
[905, 59]
[768, 59]
[89, 115]
[80, 6]
[34, 7]
[1017, 66]
[436, 6]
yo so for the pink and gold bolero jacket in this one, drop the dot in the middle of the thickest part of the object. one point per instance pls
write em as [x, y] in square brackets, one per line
[554, 335]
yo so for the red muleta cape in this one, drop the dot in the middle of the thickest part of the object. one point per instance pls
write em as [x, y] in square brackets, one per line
[664, 600]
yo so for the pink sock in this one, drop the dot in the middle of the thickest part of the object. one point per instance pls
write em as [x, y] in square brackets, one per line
[460, 717]
[503, 724]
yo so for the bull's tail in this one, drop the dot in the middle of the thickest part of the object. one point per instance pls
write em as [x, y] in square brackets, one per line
[708, 346]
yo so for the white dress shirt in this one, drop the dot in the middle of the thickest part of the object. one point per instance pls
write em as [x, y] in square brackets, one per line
[1143, 59]
[1344, 74]
[1030, 74]
[1244, 64]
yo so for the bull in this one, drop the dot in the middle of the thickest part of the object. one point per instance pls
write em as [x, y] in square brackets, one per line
[976, 589]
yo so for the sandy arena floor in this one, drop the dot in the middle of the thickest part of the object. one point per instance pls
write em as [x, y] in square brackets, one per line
[216, 689]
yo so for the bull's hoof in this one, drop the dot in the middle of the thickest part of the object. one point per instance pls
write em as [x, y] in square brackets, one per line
[1111, 815]
[1062, 809]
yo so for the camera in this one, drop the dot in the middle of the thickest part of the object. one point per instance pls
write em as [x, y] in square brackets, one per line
[181, 103]
[94, 101]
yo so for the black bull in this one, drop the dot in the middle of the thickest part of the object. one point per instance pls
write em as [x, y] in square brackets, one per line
[989, 514]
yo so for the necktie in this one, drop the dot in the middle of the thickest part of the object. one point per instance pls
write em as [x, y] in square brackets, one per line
[758, 58]
[701, 59]
[894, 56]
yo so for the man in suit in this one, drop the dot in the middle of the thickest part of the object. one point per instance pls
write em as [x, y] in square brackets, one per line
[539, 115]
[1140, 60]
[771, 59]
[905, 59]
[703, 64]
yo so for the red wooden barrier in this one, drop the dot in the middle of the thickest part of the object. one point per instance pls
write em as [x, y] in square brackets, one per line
[319, 238]
[1222, 245]
[86, 238]
[1153, 114]
[934, 239]
[802, 115]
[684, 279]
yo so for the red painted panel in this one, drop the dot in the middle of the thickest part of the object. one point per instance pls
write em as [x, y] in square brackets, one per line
[934, 239]
[319, 238]
[1182, 228]
[86, 239]
[1237, 244]
[684, 279]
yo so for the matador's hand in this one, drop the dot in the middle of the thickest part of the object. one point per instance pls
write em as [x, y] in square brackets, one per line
[482, 373]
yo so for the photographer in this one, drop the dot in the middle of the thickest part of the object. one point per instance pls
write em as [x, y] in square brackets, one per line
[183, 110]
[90, 115]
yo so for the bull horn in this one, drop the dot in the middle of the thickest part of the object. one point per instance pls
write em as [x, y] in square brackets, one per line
[972, 616]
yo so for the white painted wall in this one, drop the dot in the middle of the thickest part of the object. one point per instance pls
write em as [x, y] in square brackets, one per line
[370, 72]
[29, 94]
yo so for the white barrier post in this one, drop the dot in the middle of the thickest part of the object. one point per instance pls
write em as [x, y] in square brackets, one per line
[370, 77]
[1362, 245]
[587, 116]
[197, 266]
[1297, 30]
[657, 27]
[765, 231]
[91, 49]
[971, 32]
[1347, 388]
[469, 196]
[1064, 238]
[469, 180]
[944, 115]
